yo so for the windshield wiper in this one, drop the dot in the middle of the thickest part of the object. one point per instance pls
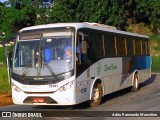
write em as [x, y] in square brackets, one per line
[50, 70]
[26, 71]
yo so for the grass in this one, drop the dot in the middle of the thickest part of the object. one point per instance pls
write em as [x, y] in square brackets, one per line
[155, 44]
[2, 56]
[155, 52]
[155, 64]
[4, 84]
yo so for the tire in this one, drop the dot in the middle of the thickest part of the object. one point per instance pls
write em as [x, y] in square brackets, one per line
[135, 86]
[96, 95]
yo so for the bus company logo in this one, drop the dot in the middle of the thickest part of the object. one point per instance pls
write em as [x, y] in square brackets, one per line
[99, 68]
[110, 67]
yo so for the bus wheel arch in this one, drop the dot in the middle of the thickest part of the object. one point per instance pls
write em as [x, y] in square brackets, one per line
[135, 82]
[96, 93]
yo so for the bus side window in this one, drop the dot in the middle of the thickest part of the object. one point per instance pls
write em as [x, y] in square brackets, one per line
[82, 51]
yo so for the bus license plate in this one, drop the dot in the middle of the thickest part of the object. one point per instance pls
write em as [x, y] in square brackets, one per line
[38, 100]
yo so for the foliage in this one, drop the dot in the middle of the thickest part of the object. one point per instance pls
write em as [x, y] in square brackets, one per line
[150, 8]
[4, 84]
[140, 28]
[14, 18]
[42, 11]
[155, 64]
[106, 12]
[115, 12]
[2, 56]
[155, 44]
[23, 13]
[2, 9]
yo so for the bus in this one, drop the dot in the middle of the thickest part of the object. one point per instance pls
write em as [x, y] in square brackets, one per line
[70, 63]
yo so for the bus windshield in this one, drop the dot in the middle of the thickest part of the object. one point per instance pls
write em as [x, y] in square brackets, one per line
[44, 54]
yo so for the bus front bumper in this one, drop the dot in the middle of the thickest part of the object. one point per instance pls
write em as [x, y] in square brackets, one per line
[51, 98]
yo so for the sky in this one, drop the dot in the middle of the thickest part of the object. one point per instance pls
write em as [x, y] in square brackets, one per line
[3, 0]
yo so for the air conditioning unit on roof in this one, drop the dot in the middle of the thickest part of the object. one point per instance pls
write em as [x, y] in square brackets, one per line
[102, 25]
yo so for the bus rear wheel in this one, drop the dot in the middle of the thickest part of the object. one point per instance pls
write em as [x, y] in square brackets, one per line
[135, 86]
[96, 95]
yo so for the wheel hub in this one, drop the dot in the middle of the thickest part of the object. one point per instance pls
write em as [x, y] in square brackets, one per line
[136, 83]
[96, 94]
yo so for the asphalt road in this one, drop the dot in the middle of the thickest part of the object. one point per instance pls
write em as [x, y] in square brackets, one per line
[146, 99]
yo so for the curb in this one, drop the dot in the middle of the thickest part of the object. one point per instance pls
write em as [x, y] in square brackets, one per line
[155, 73]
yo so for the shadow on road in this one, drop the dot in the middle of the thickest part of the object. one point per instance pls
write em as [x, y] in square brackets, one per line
[104, 100]
[48, 107]
[149, 81]
[83, 105]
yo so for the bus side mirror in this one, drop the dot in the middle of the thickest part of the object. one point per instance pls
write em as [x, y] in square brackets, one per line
[9, 57]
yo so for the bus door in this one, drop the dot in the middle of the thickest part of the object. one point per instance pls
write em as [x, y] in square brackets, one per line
[82, 66]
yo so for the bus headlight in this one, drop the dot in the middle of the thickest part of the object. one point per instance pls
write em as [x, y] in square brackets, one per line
[16, 88]
[66, 86]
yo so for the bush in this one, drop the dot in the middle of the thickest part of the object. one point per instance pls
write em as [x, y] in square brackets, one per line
[155, 44]
[155, 64]
[140, 28]
[2, 56]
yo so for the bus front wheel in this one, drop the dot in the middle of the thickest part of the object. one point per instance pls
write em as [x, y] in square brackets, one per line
[96, 95]
[135, 86]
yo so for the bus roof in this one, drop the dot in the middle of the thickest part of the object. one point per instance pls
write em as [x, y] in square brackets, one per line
[95, 26]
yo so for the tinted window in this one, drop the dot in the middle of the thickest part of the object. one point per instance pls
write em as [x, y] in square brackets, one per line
[109, 44]
[96, 44]
[137, 47]
[130, 48]
[144, 50]
[120, 42]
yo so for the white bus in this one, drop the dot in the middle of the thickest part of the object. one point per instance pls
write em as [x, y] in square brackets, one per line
[70, 63]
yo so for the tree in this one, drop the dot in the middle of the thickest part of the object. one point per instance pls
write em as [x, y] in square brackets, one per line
[23, 13]
[146, 11]
[2, 9]
[104, 11]
[149, 9]
[14, 18]
[42, 11]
